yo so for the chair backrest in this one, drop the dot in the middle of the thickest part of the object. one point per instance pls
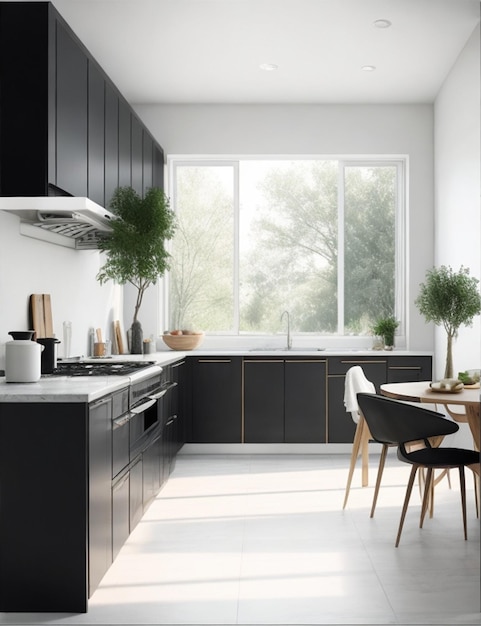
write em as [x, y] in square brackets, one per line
[395, 422]
[356, 382]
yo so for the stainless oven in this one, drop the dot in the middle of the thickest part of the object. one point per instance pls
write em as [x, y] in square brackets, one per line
[145, 415]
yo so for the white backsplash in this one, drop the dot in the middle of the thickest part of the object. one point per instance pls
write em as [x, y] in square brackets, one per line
[32, 266]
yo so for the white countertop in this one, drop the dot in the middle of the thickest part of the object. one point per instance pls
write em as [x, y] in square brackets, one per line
[91, 388]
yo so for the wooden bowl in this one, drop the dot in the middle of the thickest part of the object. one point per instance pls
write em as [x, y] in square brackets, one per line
[183, 342]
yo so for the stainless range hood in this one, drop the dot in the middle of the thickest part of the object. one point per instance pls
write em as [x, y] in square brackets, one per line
[63, 220]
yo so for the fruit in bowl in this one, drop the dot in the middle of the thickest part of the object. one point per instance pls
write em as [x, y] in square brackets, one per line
[178, 339]
[469, 377]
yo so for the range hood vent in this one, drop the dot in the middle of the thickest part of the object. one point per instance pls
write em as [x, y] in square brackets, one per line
[63, 220]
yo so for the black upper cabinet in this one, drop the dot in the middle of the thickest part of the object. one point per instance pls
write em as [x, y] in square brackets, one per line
[125, 144]
[137, 155]
[147, 161]
[158, 167]
[65, 128]
[111, 142]
[71, 157]
[24, 70]
[97, 136]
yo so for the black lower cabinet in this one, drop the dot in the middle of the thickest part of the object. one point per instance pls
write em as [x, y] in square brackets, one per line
[264, 401]
[136, 499]
[151, 470]
[379, 370]
[44, 507]
[100, 486]
[120, 512]
[341, 426]
[216, 400]
[305, 397]
[285, 401]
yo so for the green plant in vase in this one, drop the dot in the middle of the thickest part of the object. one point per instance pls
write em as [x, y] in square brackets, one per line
[136, 251]
[449, 299]
[385, 327]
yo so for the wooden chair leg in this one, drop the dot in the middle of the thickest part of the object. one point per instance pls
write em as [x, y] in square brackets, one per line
[356, 446]
[463, 498]
[365, 453]
[382, 461]
[407, 497]
[476, 493]
[427, 496]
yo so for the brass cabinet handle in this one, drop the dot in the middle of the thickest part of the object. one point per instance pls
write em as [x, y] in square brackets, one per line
[364, 362]
[214, 361]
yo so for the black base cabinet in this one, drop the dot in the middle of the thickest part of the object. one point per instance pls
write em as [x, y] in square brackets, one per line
[379, 370]
[100, 491]
[216, 400]
[263, 401]
[66, 508]
[120, 512]
[44, 508]
[284, 400]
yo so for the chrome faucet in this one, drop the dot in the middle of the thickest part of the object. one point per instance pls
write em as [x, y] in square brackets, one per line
[289, 340]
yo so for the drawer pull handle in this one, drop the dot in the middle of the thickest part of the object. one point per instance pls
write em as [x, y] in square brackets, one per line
[214, 361]
[364, 362]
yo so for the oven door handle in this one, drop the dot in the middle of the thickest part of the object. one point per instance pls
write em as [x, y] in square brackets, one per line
[121, 421]
[144, 406]
[165, 389]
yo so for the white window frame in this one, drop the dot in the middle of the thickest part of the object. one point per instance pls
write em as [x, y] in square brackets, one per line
[306, 340]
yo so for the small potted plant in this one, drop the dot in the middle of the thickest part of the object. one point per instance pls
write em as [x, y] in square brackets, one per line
[385, 327]
[136, 251]
[449, 299]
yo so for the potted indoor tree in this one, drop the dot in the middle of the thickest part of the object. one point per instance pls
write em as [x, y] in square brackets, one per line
[136, 251]
[385, 327]
[449, 299]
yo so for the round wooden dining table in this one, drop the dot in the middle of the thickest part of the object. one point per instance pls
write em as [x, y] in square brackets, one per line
[462, 406]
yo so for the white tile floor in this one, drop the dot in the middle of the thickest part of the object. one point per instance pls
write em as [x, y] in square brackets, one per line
[262, 539]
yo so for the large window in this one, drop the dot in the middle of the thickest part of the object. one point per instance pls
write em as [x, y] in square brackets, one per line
[321, 238]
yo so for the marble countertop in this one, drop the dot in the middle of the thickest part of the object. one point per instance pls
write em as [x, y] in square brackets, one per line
[91, 388]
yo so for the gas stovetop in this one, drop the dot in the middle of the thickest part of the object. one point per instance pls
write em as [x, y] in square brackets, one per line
[124, 368]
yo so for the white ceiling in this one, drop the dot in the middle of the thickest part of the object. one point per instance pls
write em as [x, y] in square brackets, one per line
[209, 51]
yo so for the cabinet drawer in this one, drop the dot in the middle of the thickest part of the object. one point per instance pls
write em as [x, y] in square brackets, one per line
[409, 369]
[340, 365]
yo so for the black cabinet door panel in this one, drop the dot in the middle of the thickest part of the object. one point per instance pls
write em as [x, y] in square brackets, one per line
[137, 155]
[111, 143]
[71, 122]
[125, 144]
[96, 135]
[216, 400]
[305, 401]
[264, 401]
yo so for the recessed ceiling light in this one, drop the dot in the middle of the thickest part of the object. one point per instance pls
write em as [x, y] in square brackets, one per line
[382, 23]
[268, 67]
[368, 68]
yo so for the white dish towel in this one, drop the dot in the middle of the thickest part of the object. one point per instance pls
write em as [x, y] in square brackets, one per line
[356, 382]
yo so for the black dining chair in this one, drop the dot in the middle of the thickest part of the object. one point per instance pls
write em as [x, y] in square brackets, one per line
[410, 427]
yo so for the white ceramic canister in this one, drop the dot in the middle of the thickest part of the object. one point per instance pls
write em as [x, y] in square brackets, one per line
[22, 361]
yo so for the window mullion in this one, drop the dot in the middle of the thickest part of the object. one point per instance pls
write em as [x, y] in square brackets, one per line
[236, 269]
[340, 249]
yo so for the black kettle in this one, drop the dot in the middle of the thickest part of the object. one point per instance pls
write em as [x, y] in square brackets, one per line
[49, 354]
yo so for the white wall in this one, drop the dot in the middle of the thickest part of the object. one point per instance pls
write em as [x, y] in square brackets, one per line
[320, 130]
[457, 190]
[30, 266]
